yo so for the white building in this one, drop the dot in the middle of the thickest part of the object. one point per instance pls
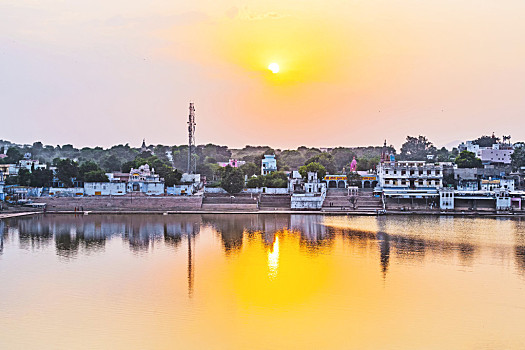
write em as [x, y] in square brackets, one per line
[468, 185]
[66, 191]
[295, 182]
[191, 183]
[471, 147]
[410, 175]
[8, 169]
[104, 188]
[503, 200]
[181, 190]
[313, 185]
[496, 155]
[190, 178]
[145, 180]
[313, 198]
[446, 198]
[268, 164]
[497, 184]
[29, 164]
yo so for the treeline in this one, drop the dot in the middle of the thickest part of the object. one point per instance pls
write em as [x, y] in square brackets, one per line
[166, 158]
[119, 157]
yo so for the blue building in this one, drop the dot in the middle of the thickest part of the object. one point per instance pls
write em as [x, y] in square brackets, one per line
[269, 164]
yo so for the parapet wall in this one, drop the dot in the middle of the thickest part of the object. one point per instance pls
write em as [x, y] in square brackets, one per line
[121, 203]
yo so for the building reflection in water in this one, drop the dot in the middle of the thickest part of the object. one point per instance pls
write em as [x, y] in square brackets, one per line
[315, 236]
[2, 230]
[384, 251]
[406, 248]
[72, 236]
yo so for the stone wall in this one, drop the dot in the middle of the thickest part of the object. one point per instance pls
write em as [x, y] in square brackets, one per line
[220, 207]
[301, 201]
[121, 203]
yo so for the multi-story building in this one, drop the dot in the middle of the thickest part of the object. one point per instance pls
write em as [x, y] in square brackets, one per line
[8, 169]
[410, 175]
[498, 154]
[471, 147]
[268, 164]
[30, 164]
[414, 180]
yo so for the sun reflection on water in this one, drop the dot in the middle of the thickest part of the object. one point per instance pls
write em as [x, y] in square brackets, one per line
[273, 259]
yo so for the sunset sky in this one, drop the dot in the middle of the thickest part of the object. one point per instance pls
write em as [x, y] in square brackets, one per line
[351, 73]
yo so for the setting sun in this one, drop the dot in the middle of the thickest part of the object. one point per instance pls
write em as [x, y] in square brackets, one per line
[274, 67]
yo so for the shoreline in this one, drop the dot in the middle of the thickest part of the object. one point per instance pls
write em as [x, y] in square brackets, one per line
[262, 212]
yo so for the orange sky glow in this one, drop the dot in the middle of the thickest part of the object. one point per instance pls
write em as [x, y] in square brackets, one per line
[351, 72]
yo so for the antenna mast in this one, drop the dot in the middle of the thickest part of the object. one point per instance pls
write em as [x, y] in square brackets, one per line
[192, 164]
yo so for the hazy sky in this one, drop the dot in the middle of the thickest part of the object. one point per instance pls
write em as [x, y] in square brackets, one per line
[104, 72]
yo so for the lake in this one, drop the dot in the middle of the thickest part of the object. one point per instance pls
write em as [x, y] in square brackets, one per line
[261, 282]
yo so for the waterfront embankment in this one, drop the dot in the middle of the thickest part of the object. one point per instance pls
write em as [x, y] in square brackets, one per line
[16, 214]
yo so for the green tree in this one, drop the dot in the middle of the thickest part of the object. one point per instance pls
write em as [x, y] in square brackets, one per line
[342, 157]
[276, 179]
[11, 180]
[250, 169]
[293, 159]
[353, 179]
[37, 148]
[13, 156]
[24, 177]
[67, 170]
[518, 157]
[443, 155]
[325, 159]
[209, 170]
[126, 166]
[417, 148]
[468, 159]
[255, 182]
[313, 167]
[232, 180]
[111, 163]
[486, 141]
[366, 163]
[95, 176]
[85, 168]
[172, 177]
[41, 178]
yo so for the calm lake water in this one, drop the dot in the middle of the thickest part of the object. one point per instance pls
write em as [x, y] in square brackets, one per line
[261, 282]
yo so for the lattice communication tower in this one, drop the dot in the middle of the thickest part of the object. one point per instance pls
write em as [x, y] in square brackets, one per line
[192, 161]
